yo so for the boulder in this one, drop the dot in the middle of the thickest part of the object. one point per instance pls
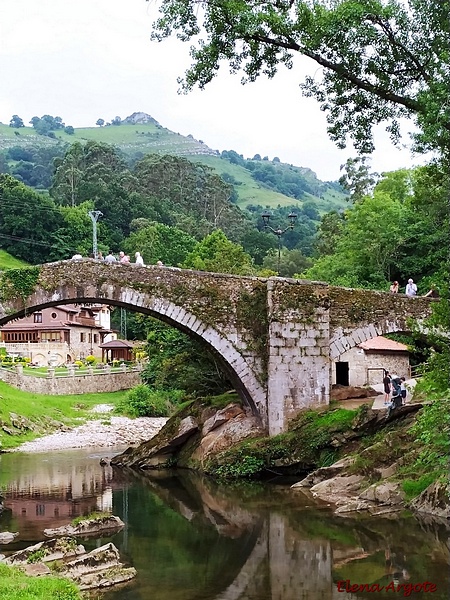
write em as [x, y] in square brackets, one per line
[6, 537]
[324, 473]
[434, 500]
[97, 569]
[221, 417]
[387, 492]
[187, 427]
[226, 435]
[349, 392]
[88, 527]
[46, 551]
[335, 489]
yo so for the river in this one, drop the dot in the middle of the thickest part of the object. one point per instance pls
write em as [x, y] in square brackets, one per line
[191, 538]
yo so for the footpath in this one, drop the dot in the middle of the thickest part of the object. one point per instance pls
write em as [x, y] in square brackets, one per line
[378, 403]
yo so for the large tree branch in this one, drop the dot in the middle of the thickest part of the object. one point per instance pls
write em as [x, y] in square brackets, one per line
[396, 44]
[342, 71]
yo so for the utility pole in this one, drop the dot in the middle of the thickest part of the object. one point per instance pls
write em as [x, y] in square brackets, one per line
[123, 323]
[94, 214]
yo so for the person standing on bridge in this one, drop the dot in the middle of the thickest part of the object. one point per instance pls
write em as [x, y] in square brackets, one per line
[411, 288]
[139, 260]
[394, 288]
[110, 258]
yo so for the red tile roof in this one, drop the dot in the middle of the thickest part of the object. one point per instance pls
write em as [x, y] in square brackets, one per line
[382, 343]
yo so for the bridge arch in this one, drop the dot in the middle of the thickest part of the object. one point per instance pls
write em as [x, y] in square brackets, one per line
[344, 341]
[237, 366]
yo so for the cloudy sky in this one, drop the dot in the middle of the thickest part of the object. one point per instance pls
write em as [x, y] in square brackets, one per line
[85, 59]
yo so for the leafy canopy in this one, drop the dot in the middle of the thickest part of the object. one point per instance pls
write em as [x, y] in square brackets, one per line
[380, 59]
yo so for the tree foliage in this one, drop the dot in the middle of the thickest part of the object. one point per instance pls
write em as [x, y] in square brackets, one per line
[160, 242]
[217, 254]
[28, 222]
[381, 59]
[178, 362]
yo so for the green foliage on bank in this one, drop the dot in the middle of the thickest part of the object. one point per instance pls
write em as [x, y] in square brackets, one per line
[15, 585]
[307, 443]
[142, 401]
[44, 413]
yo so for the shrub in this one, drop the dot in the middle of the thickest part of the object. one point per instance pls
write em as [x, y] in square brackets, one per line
[90, 360]
[78, 363]
[141, 401]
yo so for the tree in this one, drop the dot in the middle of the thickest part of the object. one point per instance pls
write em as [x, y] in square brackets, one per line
[381, 59]
[291, 262]
[28, 222]
[160, 242]
[69, 130]
[116, 121]
[215, 253]
[357, 178]
[100, 122]
[16, 122]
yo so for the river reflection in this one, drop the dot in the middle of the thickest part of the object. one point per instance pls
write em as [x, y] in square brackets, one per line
[190, 538]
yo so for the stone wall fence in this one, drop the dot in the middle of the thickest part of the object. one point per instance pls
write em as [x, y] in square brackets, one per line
[62, 385]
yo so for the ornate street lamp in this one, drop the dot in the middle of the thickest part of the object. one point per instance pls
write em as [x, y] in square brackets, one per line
[266, 216]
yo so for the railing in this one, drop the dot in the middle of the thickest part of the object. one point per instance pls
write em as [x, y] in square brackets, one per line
[417, 371]
[68, 372]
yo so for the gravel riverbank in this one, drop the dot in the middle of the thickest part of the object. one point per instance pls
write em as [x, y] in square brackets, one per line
[103, 432]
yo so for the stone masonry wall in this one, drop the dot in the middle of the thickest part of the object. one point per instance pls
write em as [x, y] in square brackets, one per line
[299, 366]
[82, 384]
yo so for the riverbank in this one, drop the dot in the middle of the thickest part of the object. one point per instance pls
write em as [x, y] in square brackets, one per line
[102, 433]
[26, 416]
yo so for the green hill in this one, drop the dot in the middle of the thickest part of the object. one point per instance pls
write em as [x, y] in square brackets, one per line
[140, 134]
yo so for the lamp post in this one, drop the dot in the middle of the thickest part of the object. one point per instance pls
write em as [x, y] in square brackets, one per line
[278, 232]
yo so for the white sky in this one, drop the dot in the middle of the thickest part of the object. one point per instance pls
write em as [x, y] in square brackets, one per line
[85, 59]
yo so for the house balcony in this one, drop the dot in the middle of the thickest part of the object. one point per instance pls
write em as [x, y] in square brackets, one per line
[29, 348]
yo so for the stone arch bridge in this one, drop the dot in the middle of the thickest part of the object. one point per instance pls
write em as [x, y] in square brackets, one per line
[276, 338]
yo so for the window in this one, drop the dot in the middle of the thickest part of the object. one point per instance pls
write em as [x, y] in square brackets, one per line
[82, 337]
[38, 317]
[95, 338]
[50, 336]
[54, 316]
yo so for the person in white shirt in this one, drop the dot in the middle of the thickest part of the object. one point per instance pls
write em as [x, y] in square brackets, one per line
[411, 288]
[139, 259]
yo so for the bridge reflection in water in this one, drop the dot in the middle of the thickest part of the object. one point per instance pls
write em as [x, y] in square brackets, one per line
[190, 538]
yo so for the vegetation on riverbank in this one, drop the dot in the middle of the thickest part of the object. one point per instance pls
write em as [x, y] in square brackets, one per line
[25, 416]
[15, 585]
[310, 443]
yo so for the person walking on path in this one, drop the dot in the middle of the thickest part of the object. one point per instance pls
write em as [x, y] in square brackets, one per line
[403, 390]
[139, 259]
[387, 386]
[411, 288]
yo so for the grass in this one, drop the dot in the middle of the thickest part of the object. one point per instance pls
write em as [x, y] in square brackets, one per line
[90, 517]
[9, 262]
[46, 411]
[15, 585]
